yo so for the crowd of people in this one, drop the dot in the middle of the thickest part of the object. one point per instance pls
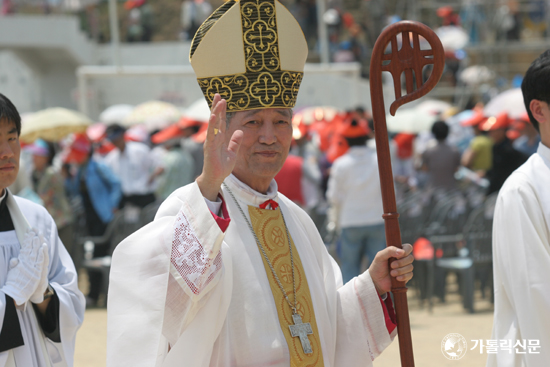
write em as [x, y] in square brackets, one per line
[114, 171]
[331, 172]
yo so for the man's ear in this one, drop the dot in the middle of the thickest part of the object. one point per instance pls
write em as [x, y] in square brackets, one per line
[537, 110]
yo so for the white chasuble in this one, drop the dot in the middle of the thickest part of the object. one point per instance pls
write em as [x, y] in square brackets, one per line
[184, 293]
[521, 263]
[38, 350]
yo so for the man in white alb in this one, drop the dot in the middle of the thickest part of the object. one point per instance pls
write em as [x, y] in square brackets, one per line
[521, 241]
[41, 307]
[232, 273]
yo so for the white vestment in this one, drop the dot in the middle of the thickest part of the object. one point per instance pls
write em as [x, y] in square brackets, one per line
[39, 351]
[184, 293]
[521, 263]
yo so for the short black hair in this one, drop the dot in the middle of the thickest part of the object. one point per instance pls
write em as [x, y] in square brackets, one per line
[358, 141]
[9, 113]
[440, 129]
[114, 131]
[536, 85]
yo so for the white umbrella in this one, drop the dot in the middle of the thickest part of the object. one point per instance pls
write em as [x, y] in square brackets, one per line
[115, 114]
[476, 74]
[452, 37]
[433, 106]
[198, 111]
[154, 115]
[53, 124]
[510, 101]
[410, 121]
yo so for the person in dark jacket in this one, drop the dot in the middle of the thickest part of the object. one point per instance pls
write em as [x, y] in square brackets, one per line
[506, 159]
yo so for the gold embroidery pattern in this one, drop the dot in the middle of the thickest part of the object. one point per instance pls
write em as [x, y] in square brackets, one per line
[267, 90]
[264, 85]
[267, 224]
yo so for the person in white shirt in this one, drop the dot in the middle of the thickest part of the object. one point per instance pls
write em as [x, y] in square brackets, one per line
[135, 166]
[521, 241]
[354, 193]
[41, 307]
[230, 272]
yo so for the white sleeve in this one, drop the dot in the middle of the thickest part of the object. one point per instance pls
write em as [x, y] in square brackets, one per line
[358, 300]
[161, 277]
[63, 279]
[521, 259]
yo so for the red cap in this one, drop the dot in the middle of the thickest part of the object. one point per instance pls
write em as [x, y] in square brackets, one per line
[477, 119]
[516, 128]
[444, 11]
[404, 145]
[338, 147]
[77, 150]
[501, 121]
[354, 128]
[171, 132]
[104, 147]
[131, 4]
[186, 122]
[325, 130]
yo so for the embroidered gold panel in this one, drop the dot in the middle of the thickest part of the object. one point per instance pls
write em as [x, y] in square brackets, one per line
[270, 229]
[264, 84]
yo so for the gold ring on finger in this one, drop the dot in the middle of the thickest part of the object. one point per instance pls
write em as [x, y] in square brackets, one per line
[216, 131]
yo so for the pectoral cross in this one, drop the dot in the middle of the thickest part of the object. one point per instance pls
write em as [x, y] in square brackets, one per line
[301, 330]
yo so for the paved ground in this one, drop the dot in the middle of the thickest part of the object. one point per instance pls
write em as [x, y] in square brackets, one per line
[428, 330]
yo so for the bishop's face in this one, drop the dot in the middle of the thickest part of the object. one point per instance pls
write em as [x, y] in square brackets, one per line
[267, 135]
[10, 151]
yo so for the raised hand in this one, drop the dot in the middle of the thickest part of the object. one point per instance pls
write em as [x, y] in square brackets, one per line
[220, 151]
[401, 269]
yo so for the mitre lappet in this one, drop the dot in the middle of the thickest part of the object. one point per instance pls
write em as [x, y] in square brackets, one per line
[251, 52]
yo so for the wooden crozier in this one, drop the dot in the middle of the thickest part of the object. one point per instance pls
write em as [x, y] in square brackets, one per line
[405, 60]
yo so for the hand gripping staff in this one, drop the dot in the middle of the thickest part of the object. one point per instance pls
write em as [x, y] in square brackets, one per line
[405, 60]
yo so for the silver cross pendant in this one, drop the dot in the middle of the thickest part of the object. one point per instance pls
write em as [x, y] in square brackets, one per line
[301, 330]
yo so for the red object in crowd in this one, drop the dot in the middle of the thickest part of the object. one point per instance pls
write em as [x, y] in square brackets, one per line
[501, 121]
[449, 16]
[171, 132]
[104, 147]
[175, 131]
[338, 147]
[325, 130]
[477, 119]
[77, 150]
[347, 20]
[354, 128]
[289, 179]
[423, 249]
[516, 129]
[404, 144]
[131, 4]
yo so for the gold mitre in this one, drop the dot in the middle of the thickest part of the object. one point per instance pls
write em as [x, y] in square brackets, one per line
[251, 52]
